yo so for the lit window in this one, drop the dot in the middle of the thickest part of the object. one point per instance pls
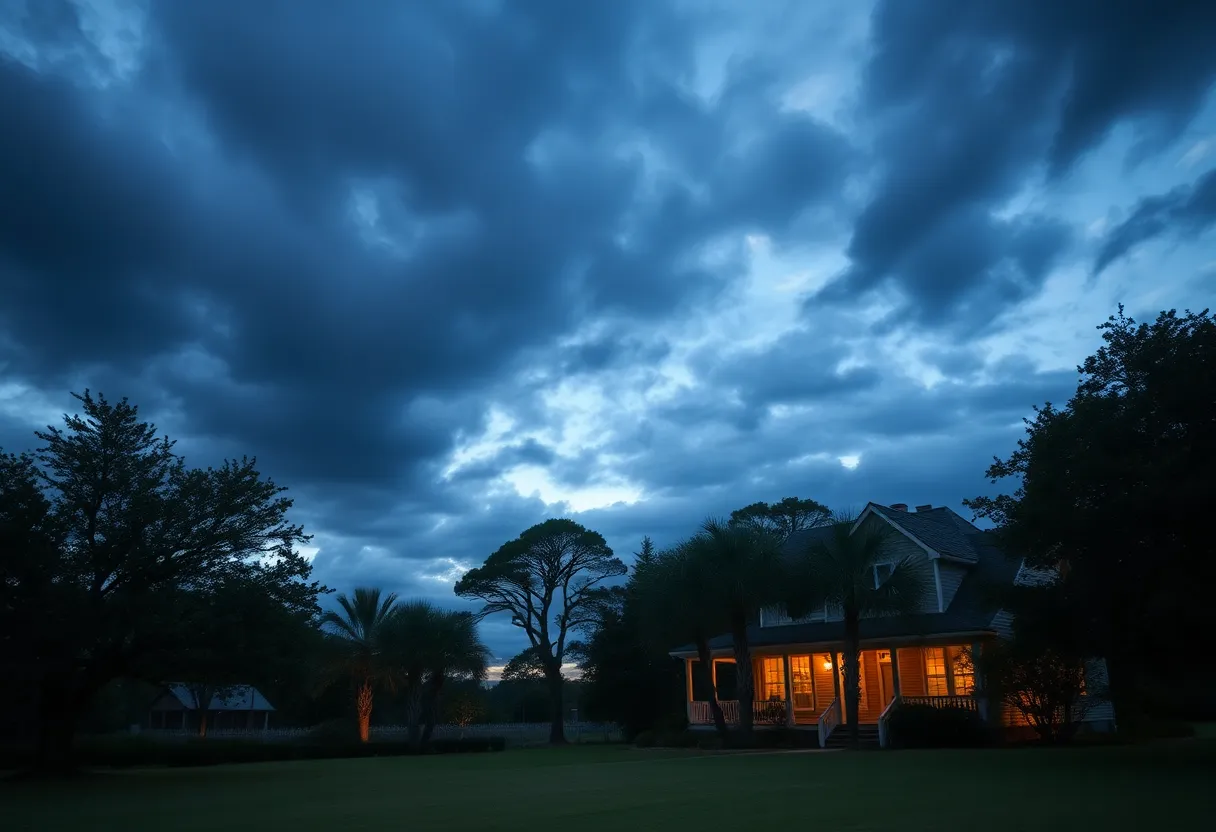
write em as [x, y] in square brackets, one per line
[936, 682]
[804, 687]
[774, 679]
[964, 678]
[882, 571]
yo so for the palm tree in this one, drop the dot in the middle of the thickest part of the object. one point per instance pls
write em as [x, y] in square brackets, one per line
[747, 572]
[427, 646]
[838, 570]
[458, 653]
[675, 603]
[356, 634]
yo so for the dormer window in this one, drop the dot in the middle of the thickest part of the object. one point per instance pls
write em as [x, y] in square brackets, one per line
[882, 571]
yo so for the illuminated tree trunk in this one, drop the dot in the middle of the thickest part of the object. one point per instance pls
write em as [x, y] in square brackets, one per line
[363, 705]
[202, 723]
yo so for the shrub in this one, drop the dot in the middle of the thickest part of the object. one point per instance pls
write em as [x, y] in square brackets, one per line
[137, 751]
[923, 726]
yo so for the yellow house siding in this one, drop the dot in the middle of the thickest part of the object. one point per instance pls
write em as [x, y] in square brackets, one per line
[911, 671]
[825, 692]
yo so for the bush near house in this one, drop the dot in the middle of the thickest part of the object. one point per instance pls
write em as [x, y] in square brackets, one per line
[139, 752]
[924, 726]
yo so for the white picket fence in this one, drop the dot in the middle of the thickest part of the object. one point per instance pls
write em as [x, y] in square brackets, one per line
[517, 734]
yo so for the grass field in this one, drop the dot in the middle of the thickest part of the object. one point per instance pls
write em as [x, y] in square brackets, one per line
[611, 787]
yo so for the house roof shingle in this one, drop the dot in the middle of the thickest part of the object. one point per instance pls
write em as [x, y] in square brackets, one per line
[940, 529]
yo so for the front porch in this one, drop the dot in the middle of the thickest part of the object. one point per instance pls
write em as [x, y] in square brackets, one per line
[795, 689]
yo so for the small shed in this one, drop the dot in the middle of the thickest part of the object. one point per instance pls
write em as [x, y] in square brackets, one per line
[235, 708]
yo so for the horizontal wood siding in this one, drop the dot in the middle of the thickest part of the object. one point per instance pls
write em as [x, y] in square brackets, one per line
[911, 671]
[825, 692]
[1003, 624]
[897, 547]
[870, 707]
[952, 575]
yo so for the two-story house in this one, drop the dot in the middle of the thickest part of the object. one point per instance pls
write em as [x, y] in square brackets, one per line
[797, 664]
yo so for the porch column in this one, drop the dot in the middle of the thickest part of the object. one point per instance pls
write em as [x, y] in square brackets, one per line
[266, 721]
[837, 669]
[789, 691]
[688, 685]
[895, 673]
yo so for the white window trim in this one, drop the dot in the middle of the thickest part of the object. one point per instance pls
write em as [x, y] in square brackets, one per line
[889, 563]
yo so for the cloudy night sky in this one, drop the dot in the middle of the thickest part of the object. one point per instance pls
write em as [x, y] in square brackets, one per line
[449, 268]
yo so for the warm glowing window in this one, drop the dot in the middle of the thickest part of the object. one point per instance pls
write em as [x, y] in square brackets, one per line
[774, 679]
[964, 678]
[936, 682]
[804, 686]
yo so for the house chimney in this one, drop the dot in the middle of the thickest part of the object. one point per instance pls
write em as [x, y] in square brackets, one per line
[899, 506]
[925, 507]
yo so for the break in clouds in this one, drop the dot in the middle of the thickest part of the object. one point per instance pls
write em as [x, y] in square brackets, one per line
[448, 269]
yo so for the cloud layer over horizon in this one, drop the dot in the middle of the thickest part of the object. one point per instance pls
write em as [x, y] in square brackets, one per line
[448, 269]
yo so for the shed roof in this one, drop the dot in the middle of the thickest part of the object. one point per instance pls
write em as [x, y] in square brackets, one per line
[237, 698]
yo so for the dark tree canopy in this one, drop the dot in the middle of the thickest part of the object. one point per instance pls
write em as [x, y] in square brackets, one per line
[546, 580]
[527, 665]
[783, 518]
[120, 560]
[1116, 485]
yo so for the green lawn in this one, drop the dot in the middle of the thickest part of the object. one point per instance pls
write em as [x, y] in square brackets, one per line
[590, 788]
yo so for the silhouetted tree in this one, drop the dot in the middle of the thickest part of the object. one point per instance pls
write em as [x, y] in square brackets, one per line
[546, 580]
[783, 518]
[838, 571]
[745, 572]
[99, 567]
[358, 630]
[1116, 486]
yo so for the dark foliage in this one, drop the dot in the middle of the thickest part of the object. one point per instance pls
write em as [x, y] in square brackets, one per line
[1115, 488]
[923, 726]
[783, 518]
[119, 561]
[548, 580]
[629, 678]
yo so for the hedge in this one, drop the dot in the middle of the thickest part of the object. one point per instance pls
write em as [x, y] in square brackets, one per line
[126, 753]
[924, 726]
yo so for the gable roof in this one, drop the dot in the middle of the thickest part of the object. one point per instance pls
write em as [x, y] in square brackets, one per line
[238, 698]
[939, 529]
[971, 610]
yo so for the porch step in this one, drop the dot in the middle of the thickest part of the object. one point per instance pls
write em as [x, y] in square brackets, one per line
[868, 737]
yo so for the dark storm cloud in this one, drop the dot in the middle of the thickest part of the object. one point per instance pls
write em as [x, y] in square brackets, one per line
[1184, 212]
[337, 235]
[715, 451]
[82, 277]
[972, 101]
[799, 366]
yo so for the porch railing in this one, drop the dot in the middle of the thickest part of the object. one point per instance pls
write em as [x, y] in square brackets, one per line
[964, 701]
[883, 719]
[828, 721]
[768, 712]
